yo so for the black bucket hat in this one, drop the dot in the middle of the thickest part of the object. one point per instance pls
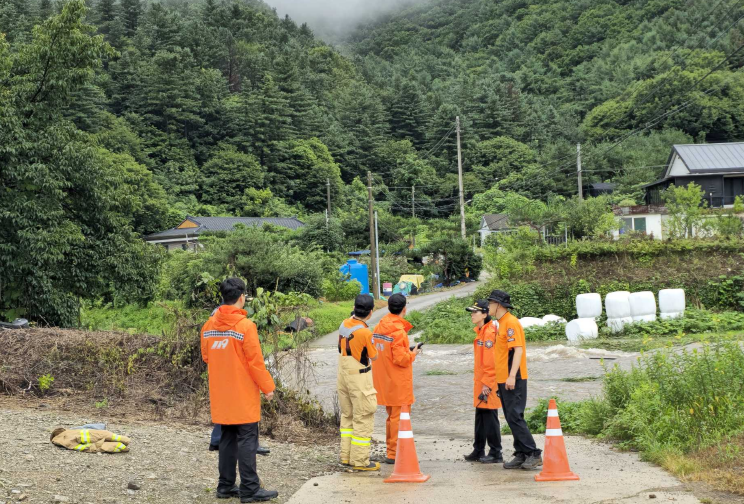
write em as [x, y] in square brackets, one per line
[480, 305]
[501, 297]
[397, 302]
[364, 303]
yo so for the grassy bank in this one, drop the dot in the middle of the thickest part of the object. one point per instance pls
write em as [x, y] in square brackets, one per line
[153, 377]
[546, 279]
[679, 409]
[160, 318]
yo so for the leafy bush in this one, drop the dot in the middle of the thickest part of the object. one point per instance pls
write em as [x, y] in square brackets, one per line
[262, 257]
[446, 322]
[156, 318]
[672, 402]
[338, 287]
[585, 417]
[454, 258]
[694, 321]
[328, 316]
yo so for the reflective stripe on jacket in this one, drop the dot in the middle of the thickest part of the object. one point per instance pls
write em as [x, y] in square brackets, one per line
[237, 373]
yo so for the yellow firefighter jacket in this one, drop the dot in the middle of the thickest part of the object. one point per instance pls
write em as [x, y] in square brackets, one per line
[91, 441]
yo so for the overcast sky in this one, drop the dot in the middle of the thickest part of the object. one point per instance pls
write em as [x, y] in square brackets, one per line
[334, 17]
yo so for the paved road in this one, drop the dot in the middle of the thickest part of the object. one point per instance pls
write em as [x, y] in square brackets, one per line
[443, 422]
[416, 303]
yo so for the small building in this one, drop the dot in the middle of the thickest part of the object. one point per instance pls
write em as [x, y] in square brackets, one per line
[600, 188]
[494, 223]
[717, 168]
[185, 236]
[647, 219]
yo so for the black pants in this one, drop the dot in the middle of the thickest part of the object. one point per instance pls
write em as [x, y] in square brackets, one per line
[487, 429]
[513, 403]
[238, 445]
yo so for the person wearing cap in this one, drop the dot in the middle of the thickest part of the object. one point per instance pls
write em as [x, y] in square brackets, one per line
[511, 375]
[237, 377]
[485, 399]
[356, 393]
[392, 372]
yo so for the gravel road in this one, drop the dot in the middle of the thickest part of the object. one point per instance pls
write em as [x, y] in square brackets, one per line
[168, 463]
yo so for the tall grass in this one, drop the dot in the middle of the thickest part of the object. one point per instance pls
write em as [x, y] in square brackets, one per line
[671, 403]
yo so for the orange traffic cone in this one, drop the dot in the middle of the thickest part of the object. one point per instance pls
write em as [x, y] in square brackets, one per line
[407, 468]
[555, 466]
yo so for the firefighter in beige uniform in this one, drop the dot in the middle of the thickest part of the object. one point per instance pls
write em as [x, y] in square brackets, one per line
[91, 441]
[356, 393]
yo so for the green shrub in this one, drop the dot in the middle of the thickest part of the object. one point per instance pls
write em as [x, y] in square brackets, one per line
[338, 287]
[156, 318]
[264, 258]
[454, 259]
[328, 316]
[670, 402]
[585, 417]
[694, 322]
[445, 322]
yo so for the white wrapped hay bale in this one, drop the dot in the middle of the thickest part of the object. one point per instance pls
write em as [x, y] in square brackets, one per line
[555, 319]
[531, 322]
[617, 305]
[643, 306]
[672, 303]
[582, 329]
[617, 325]
[589, 305]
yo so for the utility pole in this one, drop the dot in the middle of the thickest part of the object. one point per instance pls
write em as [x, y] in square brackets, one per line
[328, 195]
[459, 174]
[413, 214]
[372, 237]
[578, 170]
[377, 258]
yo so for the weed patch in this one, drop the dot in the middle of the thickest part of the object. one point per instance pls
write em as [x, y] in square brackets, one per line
[439, 372]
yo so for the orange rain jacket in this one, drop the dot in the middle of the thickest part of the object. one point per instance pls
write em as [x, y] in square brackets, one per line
[392, 372]
[484, 350]
[230, 347]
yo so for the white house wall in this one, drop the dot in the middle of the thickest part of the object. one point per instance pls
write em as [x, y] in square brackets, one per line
[678, 167]
[654, 224]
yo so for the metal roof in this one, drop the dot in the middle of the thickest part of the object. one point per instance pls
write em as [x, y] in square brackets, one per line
[706, 158]
[497, 222]
[225, 224]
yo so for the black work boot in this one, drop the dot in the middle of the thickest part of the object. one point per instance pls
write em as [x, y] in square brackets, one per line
[474, 456]
[229, 493]
[532, 462]
[516, 462]
[492, 458]
[262, 450]
[260, 496]
[388, 460]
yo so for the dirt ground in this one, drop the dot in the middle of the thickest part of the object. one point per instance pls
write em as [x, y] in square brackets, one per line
[170, 463]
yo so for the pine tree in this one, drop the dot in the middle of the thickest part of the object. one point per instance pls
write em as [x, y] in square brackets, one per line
[45, 9]
[407, 113]
[130, 15]
[267, 119]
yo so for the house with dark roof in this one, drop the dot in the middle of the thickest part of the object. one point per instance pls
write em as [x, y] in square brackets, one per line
[494, 223]
[185, 236]
[717, 168]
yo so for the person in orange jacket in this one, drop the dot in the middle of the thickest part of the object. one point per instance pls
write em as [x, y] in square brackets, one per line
[485, 398]
[392, 372]
[511, 375]
[237, 376]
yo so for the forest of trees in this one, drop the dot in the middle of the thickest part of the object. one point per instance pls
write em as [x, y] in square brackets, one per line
[119, 117]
